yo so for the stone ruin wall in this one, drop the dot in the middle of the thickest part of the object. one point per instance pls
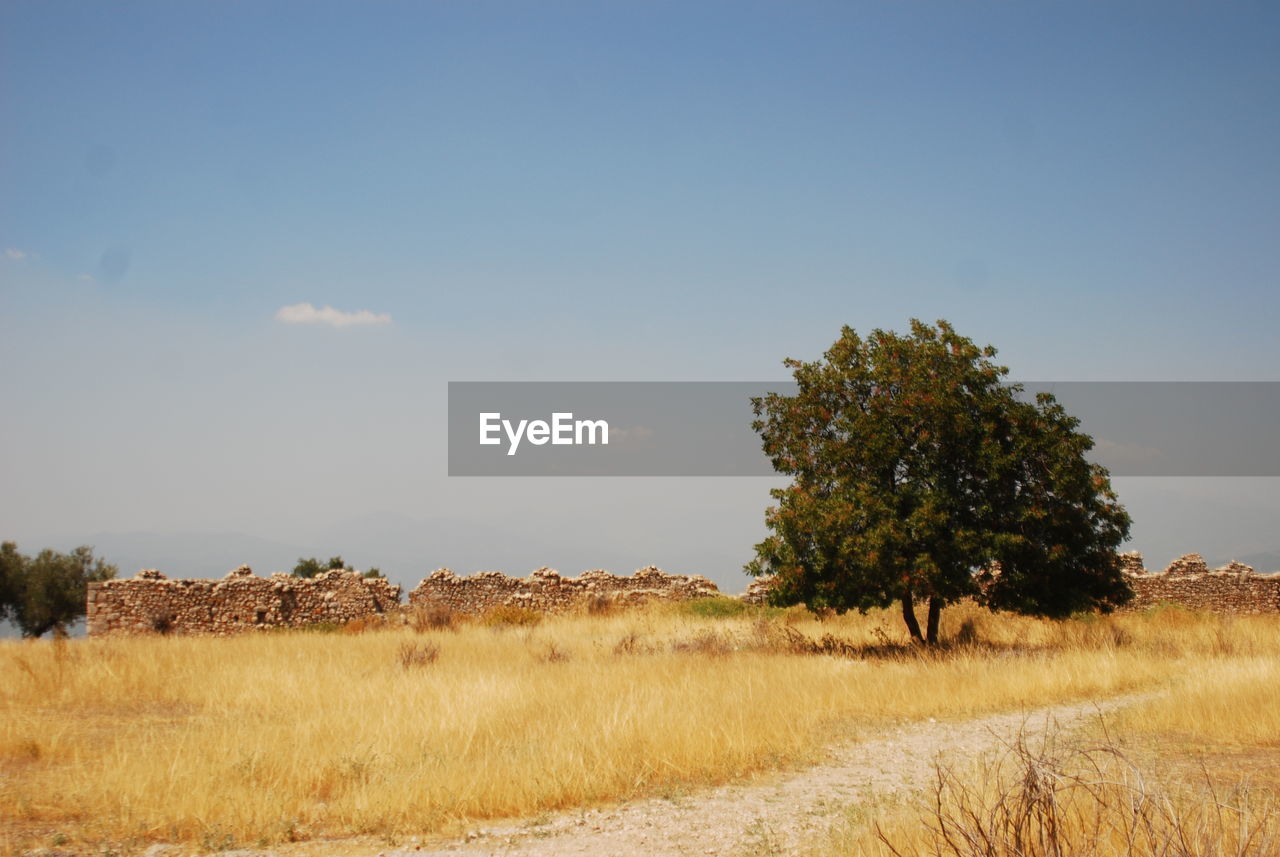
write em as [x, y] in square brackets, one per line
[1188, 582]
[151, 603]
[758, 590]
[547, 591]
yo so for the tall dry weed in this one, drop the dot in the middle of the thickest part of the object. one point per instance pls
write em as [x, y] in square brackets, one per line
[1055, 797]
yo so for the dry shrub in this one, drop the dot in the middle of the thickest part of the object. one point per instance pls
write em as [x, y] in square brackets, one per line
[1226, 641]
[713, 643]
[163, 623]
[601, 605]
[509, 615]
[795, 614]
[553, 654]
[1106, 633]
[1167, 614]
[966, 635]
[1090, 632]
[411, 655]
[770, 636]
[633, 644]
[433, 617]
[362, 624]
[1051, 799]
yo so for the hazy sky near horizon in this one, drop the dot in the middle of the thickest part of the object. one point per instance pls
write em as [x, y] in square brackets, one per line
[245, 246]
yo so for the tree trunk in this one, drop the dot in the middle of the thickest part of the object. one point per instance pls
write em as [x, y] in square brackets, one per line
[909, 616]
[935, 615]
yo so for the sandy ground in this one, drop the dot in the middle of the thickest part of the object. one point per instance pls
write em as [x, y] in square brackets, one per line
[772, 817]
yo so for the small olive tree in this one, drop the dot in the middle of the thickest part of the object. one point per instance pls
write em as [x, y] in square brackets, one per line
[47, 592]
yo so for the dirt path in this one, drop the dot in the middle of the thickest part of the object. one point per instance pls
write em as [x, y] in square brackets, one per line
[773, 817]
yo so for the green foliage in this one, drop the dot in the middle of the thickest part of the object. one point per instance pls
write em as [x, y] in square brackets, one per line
[716, 607]
[307, 567]
[47, 592]
[915, 468]
[375, 573]
[310, 567]
[727, 607]
[11, 566]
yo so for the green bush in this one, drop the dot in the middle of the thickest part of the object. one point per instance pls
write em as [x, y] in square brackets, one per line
[310, 566]
[718, 607]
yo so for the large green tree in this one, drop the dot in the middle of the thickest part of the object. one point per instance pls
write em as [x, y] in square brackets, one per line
[47, 592]
[921, 475]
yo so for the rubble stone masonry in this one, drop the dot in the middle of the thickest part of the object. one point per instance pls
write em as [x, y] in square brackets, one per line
[545, 590]
[1188, 582]
[241, 601]
[149, 602]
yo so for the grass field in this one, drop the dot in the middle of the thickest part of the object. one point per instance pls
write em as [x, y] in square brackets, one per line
[1195, 773]
[111, 744]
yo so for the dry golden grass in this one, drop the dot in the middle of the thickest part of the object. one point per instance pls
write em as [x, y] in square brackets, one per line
[1221, 702]
[276, 737]
[1069, 797]
[1193, 772]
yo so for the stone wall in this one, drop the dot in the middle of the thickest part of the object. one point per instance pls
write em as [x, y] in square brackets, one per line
[758, 590]
[149, 602]
[241, 601]
[545, 590]
[1188, 582]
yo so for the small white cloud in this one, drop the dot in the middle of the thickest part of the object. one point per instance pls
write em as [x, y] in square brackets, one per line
[88, 278]
[305, 313]
[14, 253]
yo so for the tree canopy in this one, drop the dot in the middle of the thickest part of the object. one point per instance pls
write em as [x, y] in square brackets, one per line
[920, 474]
[310, 567]
[47, 592]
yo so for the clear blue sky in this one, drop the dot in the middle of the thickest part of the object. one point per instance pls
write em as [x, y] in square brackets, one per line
[627, 190]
